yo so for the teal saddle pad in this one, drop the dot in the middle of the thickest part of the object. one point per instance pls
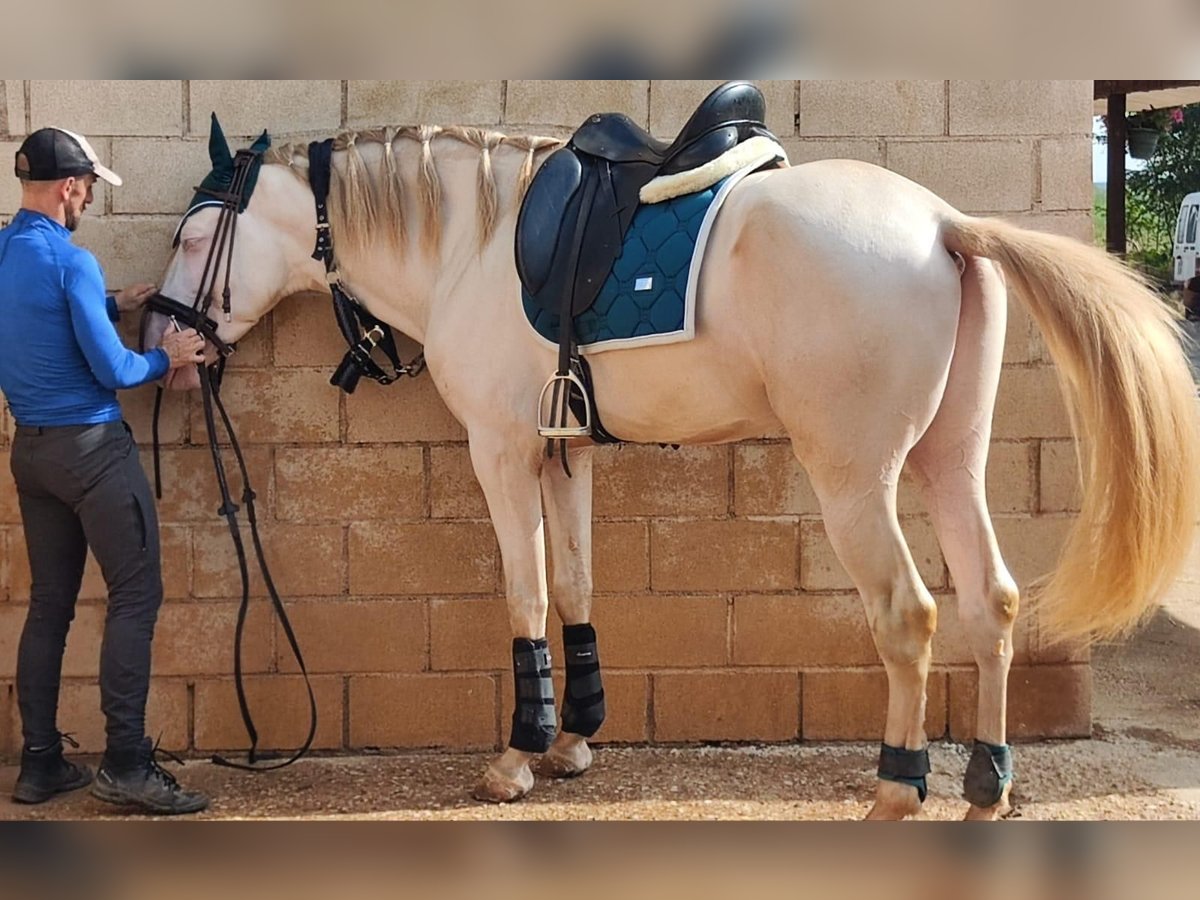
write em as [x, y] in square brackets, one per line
[645, 295]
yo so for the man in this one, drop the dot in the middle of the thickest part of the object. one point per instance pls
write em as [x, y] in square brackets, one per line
[79, 482]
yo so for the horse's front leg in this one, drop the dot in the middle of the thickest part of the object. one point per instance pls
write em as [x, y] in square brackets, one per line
[568, 506]
[509, 478]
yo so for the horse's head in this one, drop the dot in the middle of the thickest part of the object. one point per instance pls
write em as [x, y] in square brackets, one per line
[250, 228]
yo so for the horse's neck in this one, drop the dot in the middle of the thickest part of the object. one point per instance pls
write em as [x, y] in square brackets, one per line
[407, 288]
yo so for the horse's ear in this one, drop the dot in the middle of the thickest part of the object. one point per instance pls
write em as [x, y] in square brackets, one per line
[262, 144]
[218, 147]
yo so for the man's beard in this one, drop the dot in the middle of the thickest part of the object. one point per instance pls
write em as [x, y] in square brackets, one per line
[72, 217]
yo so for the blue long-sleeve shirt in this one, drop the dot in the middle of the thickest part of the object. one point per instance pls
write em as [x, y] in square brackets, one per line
[61, 359]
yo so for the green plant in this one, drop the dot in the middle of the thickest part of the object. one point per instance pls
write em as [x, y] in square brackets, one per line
[1155, 193]
[1155, 119]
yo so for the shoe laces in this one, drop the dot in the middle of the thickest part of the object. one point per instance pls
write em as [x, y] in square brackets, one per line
[157, 770]
[68, 738]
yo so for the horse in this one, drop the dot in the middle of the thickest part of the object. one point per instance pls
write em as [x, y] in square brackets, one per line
[841, 305]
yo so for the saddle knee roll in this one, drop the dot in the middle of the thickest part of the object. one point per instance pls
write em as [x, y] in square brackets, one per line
[533, 723]
[989, 770]
[583, 703]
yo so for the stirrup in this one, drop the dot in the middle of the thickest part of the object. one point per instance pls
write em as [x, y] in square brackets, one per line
[546, 417]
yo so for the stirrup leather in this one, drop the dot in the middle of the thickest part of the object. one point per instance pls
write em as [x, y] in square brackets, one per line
[554, 416]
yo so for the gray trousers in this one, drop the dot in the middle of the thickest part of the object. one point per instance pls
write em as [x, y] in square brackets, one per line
[82, 486]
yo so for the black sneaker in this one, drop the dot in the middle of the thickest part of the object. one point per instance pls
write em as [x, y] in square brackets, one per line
[46, 773]
[136, 779]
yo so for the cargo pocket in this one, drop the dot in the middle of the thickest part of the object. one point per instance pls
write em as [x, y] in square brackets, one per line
[139, 512]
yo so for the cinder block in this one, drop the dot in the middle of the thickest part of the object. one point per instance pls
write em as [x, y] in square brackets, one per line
[626, 705]
[409, 410]
[343, 636]
[454, 490]
[278, 406]
[732, 705]
[166, 713]
[130, 251]
[137, 407]
[733, 554]
[821, 570]
[1030, 405]
[569, 103]
[429, 558]
[662, 632]
[1061, 487]
[338, 484]
[376, 103]
[306, 333]
[620, 556]
[1030, 546]
[1011, 484]
[1043, 702]
[10, 510]
[950, 644]
[279, 705]
[10, 187]
[197, 639]
[305, 561]
[5, 572]
[804, 150]
[471, 635]
[801, 630]
[190, 491]
[280, 107]
[10, 726]
[673, 102]
[1072, 224]
[633, 480]
[846, 108]
[456, 711]
[768, 480]
[1020, 107]
[954, 170]
[851, 705]
[14, 122]
[160, 175]
[1067, 173]
[108, 107]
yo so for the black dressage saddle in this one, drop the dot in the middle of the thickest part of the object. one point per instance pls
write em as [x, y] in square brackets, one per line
[582, 200]
[574, 218]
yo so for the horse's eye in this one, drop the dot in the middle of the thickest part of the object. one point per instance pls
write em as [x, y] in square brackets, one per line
[192, 244]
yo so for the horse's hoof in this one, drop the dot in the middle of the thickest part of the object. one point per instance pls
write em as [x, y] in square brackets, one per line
[894, 801]
[565, 763]
[495, 787]
[991, 813]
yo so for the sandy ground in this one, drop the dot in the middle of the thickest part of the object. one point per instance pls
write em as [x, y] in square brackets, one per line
[1143, 762]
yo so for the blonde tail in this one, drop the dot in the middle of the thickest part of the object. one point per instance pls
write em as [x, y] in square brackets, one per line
[1133, 407]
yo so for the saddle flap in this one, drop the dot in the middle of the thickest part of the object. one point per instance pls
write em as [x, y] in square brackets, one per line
[542, 220]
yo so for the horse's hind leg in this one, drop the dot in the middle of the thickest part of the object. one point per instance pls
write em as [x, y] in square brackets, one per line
[859, 510]
[509, 478]
[949, 463]
[568, 508]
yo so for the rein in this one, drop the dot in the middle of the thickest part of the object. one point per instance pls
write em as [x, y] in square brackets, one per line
[196, 316]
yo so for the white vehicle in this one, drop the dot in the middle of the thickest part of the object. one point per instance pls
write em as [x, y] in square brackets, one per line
[1186, 266]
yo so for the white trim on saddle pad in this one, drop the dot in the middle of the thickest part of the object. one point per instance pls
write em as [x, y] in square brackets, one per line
[689, 301]
[755, 152]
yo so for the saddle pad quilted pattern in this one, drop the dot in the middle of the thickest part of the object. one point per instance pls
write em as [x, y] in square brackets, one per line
[645, 298]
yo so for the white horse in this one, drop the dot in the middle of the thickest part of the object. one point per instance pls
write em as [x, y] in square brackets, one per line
[840, 303]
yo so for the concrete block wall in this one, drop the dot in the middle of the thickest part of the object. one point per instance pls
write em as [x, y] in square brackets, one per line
[722, 611]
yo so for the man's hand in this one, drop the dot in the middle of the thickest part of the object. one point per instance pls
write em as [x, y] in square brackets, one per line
[184, 347]
[134, 296]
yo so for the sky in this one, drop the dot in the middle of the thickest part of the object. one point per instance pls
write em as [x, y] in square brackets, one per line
[1100, 156]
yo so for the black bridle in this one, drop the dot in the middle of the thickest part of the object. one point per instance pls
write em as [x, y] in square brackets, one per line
[196, 316]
